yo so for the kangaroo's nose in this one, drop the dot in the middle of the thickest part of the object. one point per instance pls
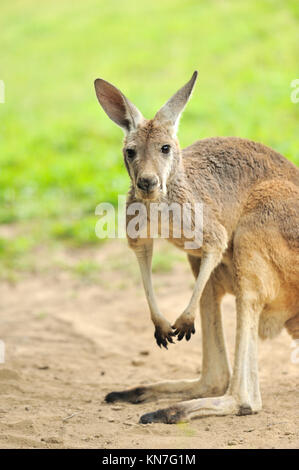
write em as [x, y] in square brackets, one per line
[147, 183]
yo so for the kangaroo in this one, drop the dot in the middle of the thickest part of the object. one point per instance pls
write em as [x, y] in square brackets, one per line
[249, 248]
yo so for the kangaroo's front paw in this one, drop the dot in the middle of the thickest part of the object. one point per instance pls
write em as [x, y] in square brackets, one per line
[184, 326]
[164, 334]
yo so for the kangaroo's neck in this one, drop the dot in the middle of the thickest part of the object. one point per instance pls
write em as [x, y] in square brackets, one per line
[178, 186]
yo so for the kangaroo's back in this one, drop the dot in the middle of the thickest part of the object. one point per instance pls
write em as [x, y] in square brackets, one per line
[238, 161]
[225, 169]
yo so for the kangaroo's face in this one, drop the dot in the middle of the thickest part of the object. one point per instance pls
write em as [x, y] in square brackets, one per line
[151, 153]
[151, 149]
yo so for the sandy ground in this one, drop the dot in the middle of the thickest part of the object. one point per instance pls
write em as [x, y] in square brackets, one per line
[69, 341]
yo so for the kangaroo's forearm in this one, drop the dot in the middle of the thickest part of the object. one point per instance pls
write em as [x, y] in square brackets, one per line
[163, 329]
[144, 257]
[208, 264]
[145, 271]
[184, 325]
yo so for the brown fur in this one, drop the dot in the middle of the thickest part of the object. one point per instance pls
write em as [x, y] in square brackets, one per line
[250, 196]
[247, 187]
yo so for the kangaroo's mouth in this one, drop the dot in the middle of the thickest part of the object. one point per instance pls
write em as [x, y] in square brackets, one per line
[149, 192]
[151, 195]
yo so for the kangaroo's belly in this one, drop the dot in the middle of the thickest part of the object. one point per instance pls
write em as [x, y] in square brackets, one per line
[188, 246]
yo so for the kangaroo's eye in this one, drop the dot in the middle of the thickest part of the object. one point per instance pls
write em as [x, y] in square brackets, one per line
[165, 148]
[131, 153]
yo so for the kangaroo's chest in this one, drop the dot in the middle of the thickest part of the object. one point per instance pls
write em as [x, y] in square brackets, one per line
[177, 228]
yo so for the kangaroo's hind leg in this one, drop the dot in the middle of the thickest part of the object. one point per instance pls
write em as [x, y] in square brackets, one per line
[215, 367]
[243, 394]
[216, 370]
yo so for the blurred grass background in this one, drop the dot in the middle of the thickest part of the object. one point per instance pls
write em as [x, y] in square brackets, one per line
[60, 155]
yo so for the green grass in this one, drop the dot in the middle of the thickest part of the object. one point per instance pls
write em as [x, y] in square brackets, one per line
[60, 154]
[15, 256]
[87, 269]
[164, 261]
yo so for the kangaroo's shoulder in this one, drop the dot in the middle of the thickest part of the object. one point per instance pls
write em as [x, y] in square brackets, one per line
[230, 148]
[235, 157]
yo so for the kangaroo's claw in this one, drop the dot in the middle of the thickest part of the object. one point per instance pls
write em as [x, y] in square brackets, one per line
[164, 336]
[184, 327]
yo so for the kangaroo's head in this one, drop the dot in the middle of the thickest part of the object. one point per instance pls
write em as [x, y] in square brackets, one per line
[151, 149]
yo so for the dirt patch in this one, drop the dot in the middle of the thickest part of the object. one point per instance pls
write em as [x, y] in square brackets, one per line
[70, 341]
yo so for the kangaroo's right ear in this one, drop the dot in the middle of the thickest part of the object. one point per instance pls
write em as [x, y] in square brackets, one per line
[117, 106]
[171, 111]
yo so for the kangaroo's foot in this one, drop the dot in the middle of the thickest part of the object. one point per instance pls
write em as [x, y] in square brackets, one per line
[184, 389]
[218, 406]
[134, 395]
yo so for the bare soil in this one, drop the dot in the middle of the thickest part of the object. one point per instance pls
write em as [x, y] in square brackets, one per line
[71, 340]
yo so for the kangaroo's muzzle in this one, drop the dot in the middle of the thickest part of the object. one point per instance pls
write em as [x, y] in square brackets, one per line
[147, 184]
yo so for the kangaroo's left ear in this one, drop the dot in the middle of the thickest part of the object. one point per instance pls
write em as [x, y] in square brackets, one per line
[117, 106]
[171, 112]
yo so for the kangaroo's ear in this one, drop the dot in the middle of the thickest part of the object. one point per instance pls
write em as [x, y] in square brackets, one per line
[117, 106]
[171, 112]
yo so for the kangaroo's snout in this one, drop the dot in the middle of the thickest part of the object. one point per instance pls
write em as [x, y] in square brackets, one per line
[147, 183]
